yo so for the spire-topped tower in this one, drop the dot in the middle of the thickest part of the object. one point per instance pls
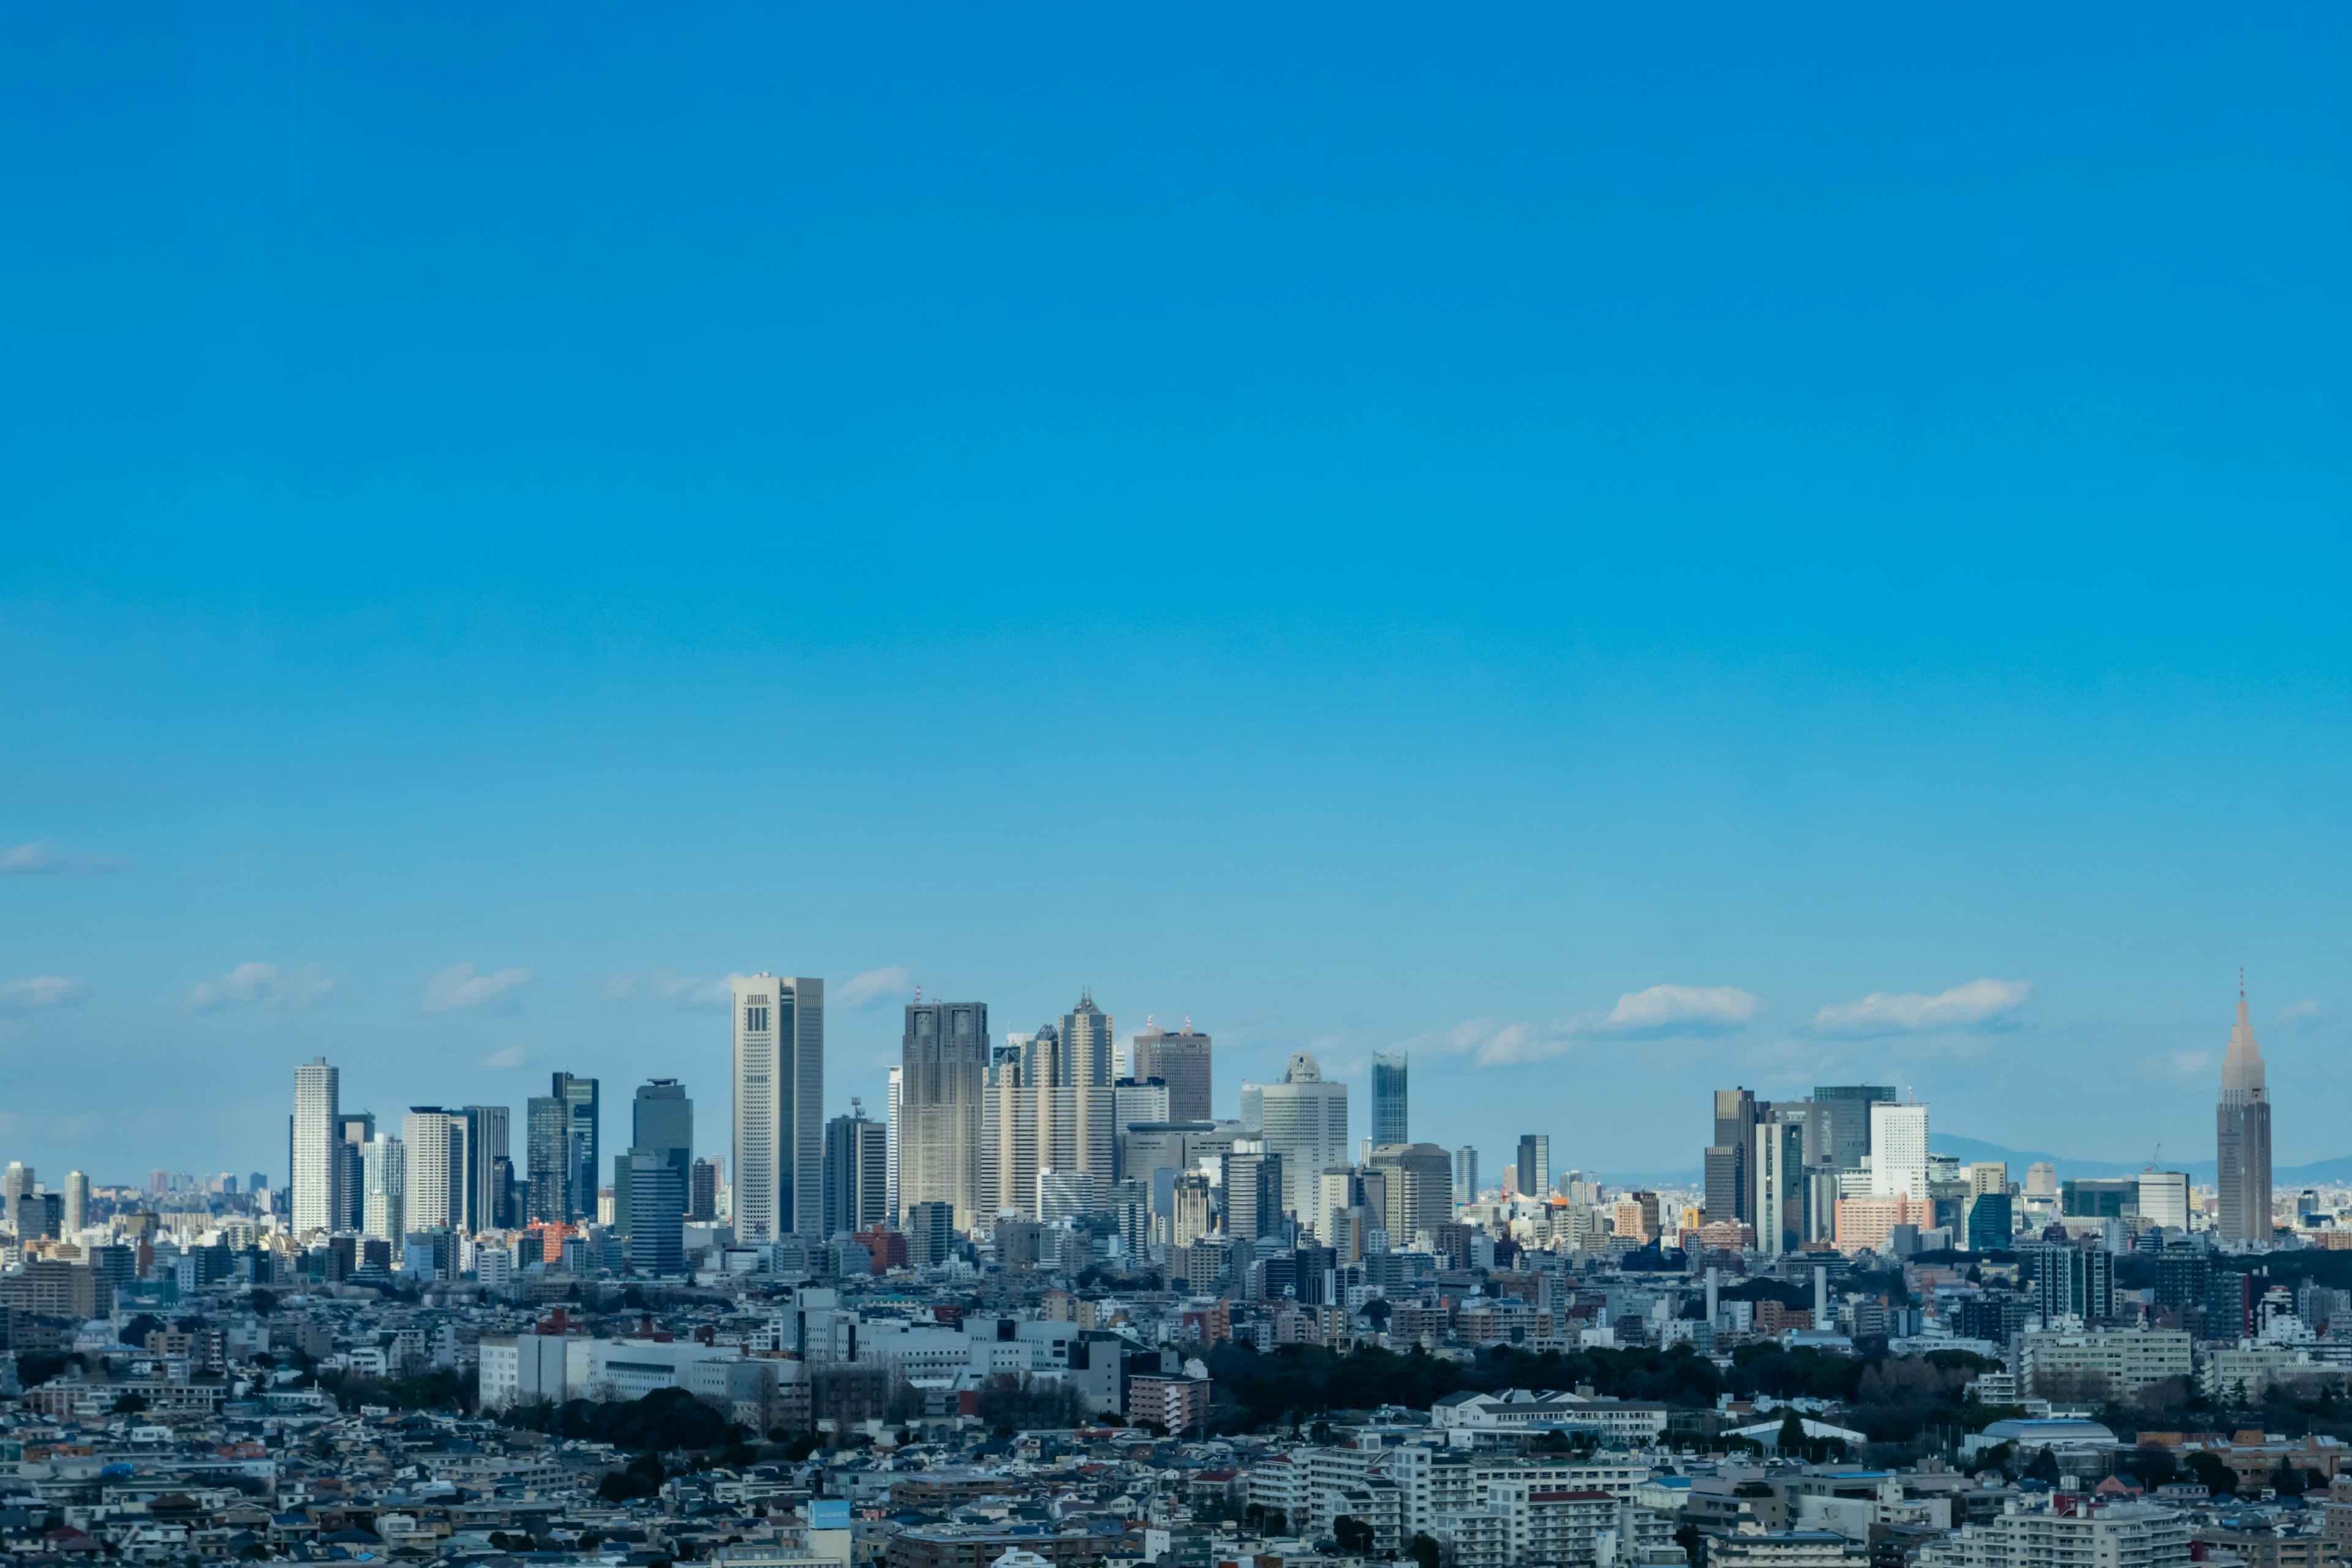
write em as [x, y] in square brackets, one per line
[2243, 1138]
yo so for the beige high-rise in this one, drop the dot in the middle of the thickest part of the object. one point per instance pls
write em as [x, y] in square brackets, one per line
[2242, 1126]
[1048, 1106]
[942, 1089]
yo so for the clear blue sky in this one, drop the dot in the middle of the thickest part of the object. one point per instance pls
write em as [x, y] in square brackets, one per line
[1360, 526]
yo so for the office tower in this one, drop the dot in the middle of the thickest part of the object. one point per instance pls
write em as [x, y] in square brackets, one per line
[1782, 1208]
[657, 1214]
[1846, 1112]
[352, 1130]
[702, 1192]
[661, 1123]
[1730, 1159]
[1254, 1191]
[1191, 1216]
[436, 1154]
[580, 1126]
[316, 1089]
[1181, 1061]
[1388, 1098]
[1898, 1150]
[891, 1141]
[941, 1090]
[383, 1175]
[2243, 1139]
[1990, 1221]
[1047, 1103]
[16, 1191]
[1988, 1176]
[503, 1211]
[2042, 1180]
[857, 1171]
[1134, 1104]
[1303, 1118]
[1465, 1175]
[258, 1182]
[1418, 1195]
[486, 1144]
[779, 1080]
[2164, 1198]
[931, 1233]
[77, 1215]
[547, 1156]
[1534, 1170]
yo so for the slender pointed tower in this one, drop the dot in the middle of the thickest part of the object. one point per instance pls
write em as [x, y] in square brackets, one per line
[2243, 1138]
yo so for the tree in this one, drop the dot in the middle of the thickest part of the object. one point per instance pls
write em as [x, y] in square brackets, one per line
[2043, 1467]
[1424, 1549]
[132, 1403]
[2286, 1480]
[2211, 1474]
[1353, 1534]
[1791, 1440]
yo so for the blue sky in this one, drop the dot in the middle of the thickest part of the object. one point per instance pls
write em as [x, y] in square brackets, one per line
[1364, 528]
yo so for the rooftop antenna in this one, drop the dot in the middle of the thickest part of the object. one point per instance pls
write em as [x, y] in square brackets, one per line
[918, 992]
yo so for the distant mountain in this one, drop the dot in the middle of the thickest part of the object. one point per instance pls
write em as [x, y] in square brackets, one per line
[2317, 1173]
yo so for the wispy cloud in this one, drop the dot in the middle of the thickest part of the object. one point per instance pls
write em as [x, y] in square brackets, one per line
[1657, 1012]
[43, 858]
[2187, 1064]
[261, 986]
[499, 1061]
[41, 992]
[875, 985]
[2306, 1008]
[459, 987]
[666, 988]
[1974, 1005]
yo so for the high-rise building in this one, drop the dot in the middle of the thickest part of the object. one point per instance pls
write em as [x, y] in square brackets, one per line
[857, 1171]
[931, 1233]
[1181, 1061]
[661, 1123]
[1135, 1104]
[77, 1215]
[316, 1087]
[2242, 1123]
[352, 1130]
[1845, 1110]
[546, 1154]
[1898, 1150]
[435, 1157]
[656, 1236]
[17, 1190]
[1465, 1175]
[582, 1125]
[1388, 1098]
[898, 1082]
[1418, 1193]
[1254, 1184]
[2164, 1198]
[486, 1143]
[1047, 1103]
[1782, 1206]
[2042, 1180]
[779, 1080]
[1730, 1159]
[383, 1173]
[941, 1090]
[1534, 1172]
[1304, 1118]
[702, 1194]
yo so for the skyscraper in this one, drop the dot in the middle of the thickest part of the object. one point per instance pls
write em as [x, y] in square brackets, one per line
[581, 1123]
[486, 1144]
[1846, 1107]
[1387, 1098]
[939, 1088]
[352, 1130]
[1898, 1150]
[1418, 1195]
[547, 1155]
[2241, 1130]
[657, 1230]
[435, 1156]
[1535, 1166]
[702, 1190]
[316, 1087]
[779, 1081]
[77, 1214]
[1180, 1061]
[1304, 1118]
[1465, 1175]
[856, 1171]
[1048, 1104]
[661, 1123]
[383, 1173]
[890, 1140]
[1730, 1158]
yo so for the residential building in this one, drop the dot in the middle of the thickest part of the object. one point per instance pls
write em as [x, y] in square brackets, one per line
[2099, 1364]
[778, 1025]
[857, 1171]
[897, 1081]
[435, 1168]
[2062, 1531]
[316, 1089]
[385, 1174]
[1465, 1175]
[702, 1190]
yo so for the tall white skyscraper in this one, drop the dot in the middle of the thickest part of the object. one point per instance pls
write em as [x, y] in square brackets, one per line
[890, 1116]
[1046, 1104]
[317, 1093]
[1304, 1118]
[435, 1156]
[1898, 1150]
[938, 1091]
[77, 1202]
[383, 1173]
[779, 1077]
[2243, 1138]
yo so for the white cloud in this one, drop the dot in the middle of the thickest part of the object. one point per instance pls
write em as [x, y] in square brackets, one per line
[261, 986]
[18, 997]
[2306, 1008]
[875, 985]
[666, 988]
[1663, 1006]
[2188, 1064]
[1893, 1013]
[458, 986]
[501, 1060]
[40, 858]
